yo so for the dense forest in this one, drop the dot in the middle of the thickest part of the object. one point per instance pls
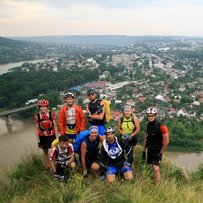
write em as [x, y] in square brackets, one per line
[17, 87]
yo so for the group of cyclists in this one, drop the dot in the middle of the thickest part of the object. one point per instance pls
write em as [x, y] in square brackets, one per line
[101, 150]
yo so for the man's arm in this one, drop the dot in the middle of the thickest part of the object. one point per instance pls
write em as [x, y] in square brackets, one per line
[52, 160]
[61, 121]
[165, 134]
[83, 151]
[103, 160]
[128, 150]
[36, 129]
[82, 120]
[99, 116]
[119, 127]
[137, 127]
[55, 125]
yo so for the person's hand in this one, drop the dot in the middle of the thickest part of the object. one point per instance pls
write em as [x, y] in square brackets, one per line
[63, 164]
[102, 177]
[85, 174]
[127, 164]
[39, 145]
[55, 175]
[126, 136]
[87, 108]
[143, 155]
[159, 156]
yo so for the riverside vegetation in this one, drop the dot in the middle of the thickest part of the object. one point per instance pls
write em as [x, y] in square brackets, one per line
[30, 182]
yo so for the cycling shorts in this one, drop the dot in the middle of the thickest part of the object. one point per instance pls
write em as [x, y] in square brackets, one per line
[101, 129]
[152, 157]
[46, 141]
[71, 136]
[114, 170]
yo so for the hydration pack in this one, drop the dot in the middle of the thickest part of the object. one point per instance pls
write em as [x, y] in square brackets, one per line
[44, 127]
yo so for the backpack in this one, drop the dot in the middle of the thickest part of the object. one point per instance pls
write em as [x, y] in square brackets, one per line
[40, 120]
[78, 141]
[107, 117]
[132, 119]
[108, 110]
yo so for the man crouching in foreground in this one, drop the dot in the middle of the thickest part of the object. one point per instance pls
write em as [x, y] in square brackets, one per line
[113, 157]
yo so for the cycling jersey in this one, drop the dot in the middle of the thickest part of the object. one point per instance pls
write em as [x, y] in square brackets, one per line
[155, 131]
[96, 107]
[113, 154]
[45, 123]
[62, 155]
[73, 121]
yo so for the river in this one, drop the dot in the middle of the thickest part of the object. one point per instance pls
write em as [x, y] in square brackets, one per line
[187, 161]
[19, 144]
[4, 68]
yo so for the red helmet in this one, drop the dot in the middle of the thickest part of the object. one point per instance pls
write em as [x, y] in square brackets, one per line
[43, 102]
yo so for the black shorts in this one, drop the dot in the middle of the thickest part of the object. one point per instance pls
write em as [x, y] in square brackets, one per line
[89, 162]
[152, 157]
[46, 141]
[133, 141]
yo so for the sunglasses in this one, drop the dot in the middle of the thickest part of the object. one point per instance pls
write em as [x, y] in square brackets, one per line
[150, 115]
[91, 95]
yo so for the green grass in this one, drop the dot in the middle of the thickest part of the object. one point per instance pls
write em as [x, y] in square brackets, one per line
[30, 182]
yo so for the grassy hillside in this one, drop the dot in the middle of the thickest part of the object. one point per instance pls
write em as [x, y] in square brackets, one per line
[30, 182]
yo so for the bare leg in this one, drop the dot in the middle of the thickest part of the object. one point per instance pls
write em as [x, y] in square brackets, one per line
[95, 168]
[157, 174]
[72, 165]
[111, 178]
[128, 175]
[46, 158]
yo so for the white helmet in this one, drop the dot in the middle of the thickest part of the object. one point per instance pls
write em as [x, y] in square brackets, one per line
[109, 130]
[151, 110]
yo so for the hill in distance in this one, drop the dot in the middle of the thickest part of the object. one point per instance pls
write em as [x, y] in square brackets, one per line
[97, 39]
[12, 43]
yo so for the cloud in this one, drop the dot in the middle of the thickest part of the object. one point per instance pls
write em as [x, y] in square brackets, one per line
[35, 17]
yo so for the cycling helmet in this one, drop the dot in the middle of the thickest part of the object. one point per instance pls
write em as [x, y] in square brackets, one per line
[109, 130]
[43, 102]
[68, 94]
[151, 110]
[91, 91]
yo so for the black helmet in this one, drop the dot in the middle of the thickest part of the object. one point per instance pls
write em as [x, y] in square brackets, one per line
[151, 110]
[91, 91]
[109, 130]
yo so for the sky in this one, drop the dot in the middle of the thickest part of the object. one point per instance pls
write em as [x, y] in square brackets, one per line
[101, 17]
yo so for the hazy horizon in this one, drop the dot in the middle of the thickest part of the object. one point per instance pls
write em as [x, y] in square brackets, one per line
[32, 18]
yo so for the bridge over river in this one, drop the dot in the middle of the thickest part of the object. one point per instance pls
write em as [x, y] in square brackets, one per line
[6, 115]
